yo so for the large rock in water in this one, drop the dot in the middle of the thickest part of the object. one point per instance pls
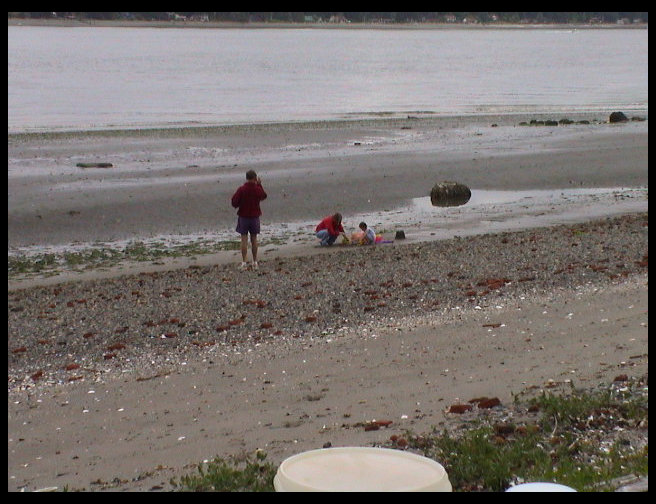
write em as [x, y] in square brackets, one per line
[616, 117]
[445, 194]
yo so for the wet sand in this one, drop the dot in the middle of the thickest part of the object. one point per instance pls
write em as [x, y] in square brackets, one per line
[180, 181]
[110, 431]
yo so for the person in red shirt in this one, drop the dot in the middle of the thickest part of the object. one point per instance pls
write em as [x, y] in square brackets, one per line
[247, 202]
[329, 229]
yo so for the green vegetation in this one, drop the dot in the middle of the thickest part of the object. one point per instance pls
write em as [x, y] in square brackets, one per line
[99, 257]
[104, 256]
[234, 475]
[585, 440]
[575, 442]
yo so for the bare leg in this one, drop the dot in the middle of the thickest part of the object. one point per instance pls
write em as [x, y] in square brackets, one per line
[244, 247]
[254, 247]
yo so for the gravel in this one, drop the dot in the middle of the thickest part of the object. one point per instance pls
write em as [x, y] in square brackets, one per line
[152, 323]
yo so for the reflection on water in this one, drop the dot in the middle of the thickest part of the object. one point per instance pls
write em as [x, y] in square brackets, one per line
[484, 197]
[496, 211]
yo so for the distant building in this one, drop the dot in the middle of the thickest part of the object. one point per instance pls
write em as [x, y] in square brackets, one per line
[176, 17]
[338, 19]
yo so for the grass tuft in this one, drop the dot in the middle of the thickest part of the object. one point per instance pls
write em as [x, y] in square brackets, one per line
[237, 474]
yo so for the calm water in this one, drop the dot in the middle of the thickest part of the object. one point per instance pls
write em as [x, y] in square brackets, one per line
[62, 78]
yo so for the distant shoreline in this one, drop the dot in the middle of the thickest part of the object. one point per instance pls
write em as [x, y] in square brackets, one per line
[72, 23]
[391, 120]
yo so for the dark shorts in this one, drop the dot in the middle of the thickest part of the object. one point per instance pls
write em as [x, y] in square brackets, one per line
[247, 225]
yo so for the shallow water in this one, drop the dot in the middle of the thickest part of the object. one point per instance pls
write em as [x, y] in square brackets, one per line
[486, 212]
[496, 211]
[485, 197]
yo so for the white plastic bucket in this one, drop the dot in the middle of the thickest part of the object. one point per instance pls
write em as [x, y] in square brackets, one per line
[360, 469]
[540, 487]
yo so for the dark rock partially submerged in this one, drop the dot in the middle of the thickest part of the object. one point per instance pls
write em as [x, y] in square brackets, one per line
[616, 117]
[446, 194]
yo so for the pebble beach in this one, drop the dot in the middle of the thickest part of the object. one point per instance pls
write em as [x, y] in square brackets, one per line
[136, 325]
[128, 377]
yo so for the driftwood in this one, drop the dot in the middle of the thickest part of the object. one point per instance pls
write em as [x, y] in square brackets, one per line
[94, 165]
[445, 194]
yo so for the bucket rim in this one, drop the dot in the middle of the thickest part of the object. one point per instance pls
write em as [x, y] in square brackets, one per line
[282, 475]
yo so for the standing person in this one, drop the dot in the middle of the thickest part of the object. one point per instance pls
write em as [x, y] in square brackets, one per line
[329, 229]
[247, 201]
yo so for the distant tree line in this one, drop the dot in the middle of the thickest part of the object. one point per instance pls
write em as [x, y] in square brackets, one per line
[359, 17]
